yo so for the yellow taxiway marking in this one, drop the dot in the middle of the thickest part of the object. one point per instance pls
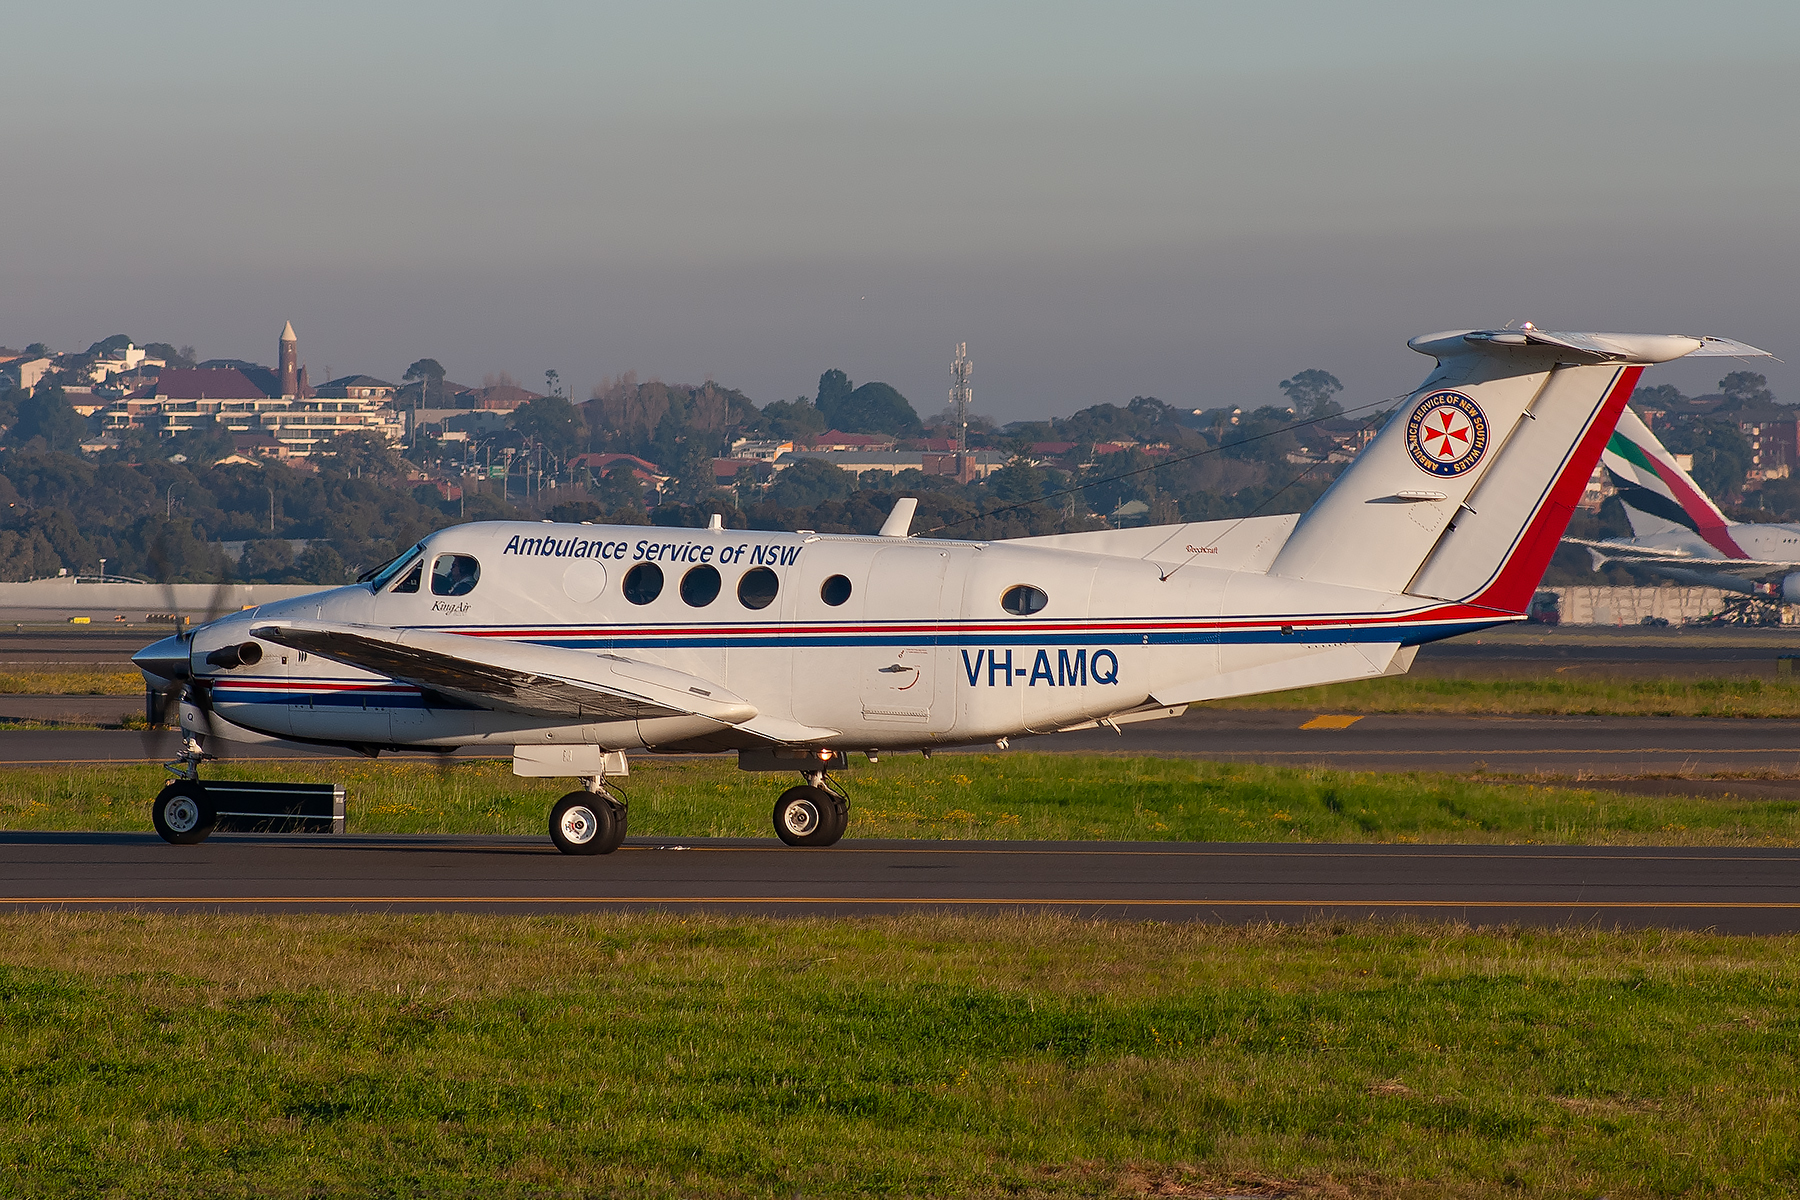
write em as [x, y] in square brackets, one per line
[1412, 852]
[1793, 750]
[1110, 901]
[1331, 721]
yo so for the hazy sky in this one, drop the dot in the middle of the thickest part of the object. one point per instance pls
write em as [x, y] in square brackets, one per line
[1190, 201]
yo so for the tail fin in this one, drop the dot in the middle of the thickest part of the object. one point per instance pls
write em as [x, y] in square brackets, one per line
[1466, 492]
[1651, 483]
[1644, 525]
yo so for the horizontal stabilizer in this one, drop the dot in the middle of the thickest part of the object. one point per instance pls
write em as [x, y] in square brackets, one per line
[1641, 348]
[1655, 556]
[1236, 544]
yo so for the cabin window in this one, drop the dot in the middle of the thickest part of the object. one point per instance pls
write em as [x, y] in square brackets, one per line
[643, 583]
[409, 582]
[1021, 600]
[454, 575]
[758, 587]
[700, 586]
[835, 591]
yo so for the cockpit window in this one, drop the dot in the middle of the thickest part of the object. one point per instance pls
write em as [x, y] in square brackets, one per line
[378, 578]
[454, 575]
[410, 581]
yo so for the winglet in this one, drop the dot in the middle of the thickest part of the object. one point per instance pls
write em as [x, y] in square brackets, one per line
[899, 521]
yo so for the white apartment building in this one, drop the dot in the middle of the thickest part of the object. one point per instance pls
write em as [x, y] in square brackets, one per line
[185, 400]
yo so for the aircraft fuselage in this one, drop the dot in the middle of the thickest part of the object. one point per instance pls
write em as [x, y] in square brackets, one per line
[844, 640]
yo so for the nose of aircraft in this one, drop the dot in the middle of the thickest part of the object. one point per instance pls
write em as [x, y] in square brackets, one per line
[167, 659]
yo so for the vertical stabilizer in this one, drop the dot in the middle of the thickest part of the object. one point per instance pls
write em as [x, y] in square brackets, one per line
[1465, 493]
[1652, 485]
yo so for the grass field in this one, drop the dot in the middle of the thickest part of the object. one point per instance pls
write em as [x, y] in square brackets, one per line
[1551, 695]
[71, 683]
[152, 1055]
[1012, 795]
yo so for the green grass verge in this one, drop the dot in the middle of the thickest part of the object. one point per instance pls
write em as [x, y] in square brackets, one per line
[1735, 696]
[656, 1055]
[71, 683]
[1012, 795]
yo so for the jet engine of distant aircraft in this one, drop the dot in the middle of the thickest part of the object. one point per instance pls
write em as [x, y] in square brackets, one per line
[572, 646]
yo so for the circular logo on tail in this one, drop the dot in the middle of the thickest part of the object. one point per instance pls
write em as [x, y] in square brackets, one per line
[1447, 434]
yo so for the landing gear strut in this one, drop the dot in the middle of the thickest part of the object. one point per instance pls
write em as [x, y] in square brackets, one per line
[182, 813]
[813, 814]
[590, 821]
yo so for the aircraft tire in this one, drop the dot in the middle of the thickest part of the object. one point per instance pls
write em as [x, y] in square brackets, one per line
[840, 817]
[182, 814]
[583, 823]
[809, 816]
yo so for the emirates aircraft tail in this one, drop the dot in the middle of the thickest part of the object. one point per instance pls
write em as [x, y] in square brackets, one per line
[1659, 496]
[1465, 493]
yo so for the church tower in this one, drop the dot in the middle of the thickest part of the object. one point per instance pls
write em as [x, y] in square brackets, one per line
[288, 364]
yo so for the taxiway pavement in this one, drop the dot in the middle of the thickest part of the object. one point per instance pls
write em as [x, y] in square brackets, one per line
[1731, 890]
[1583, 747]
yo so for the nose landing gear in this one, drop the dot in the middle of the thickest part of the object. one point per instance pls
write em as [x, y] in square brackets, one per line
[590, 821]
[182, 812]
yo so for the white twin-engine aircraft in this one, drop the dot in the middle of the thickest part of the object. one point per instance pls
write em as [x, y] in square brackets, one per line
[571, 644]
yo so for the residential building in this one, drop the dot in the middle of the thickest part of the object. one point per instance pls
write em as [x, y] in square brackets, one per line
[597, 465]
[837, 439]
[125, 361]
[1772, 440]
[734, 470]
[981, 463]
[253, 401]
[498, 397]
[356, 387]
[761, 451]
[22, 372]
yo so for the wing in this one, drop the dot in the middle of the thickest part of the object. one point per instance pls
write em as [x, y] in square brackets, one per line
[1626, 550]
[1651, 556]
[512, 676]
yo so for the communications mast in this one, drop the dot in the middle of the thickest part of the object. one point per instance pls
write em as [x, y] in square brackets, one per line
[961, 397]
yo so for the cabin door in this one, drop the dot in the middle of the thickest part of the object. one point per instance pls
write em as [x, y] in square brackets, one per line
[901, 667]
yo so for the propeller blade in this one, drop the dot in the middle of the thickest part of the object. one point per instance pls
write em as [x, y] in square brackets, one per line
[159, 708]
[199, 694]
[218, 603]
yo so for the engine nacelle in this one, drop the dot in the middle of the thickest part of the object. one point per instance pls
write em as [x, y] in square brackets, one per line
[1790, 588]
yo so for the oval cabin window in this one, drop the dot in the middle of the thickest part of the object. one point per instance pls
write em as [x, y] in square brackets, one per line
[835, 591]
[758, 587]
[1022, 600]
[700, 586]
[643, 583]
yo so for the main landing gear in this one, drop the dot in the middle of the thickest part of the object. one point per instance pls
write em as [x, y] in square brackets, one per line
[591, 821]
[812, 814]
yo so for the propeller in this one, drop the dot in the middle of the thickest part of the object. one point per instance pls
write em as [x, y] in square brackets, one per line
[171, 659]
